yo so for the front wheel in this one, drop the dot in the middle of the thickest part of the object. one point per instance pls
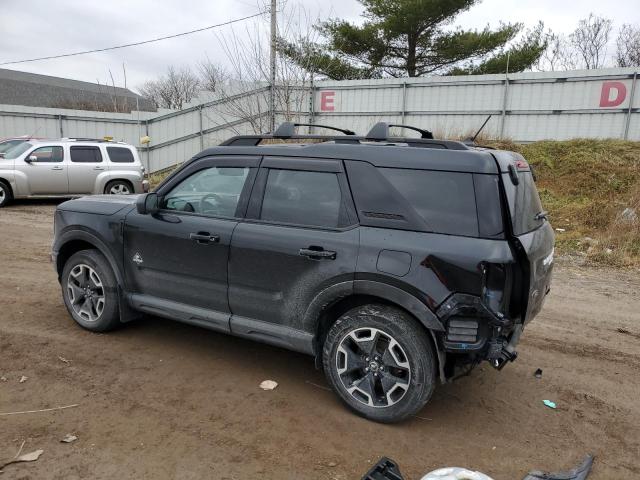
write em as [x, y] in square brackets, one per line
[89, 290]
[380, 362]
[5, 194]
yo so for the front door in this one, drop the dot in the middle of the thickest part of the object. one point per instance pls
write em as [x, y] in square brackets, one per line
[46, 171]
[300, 240]
[180, 254]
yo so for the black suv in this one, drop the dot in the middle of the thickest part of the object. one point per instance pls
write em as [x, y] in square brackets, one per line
[394, 261]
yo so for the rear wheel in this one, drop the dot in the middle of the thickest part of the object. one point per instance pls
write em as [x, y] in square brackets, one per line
[118, 187]
[380, 362]
[5, 194]
[89, 290]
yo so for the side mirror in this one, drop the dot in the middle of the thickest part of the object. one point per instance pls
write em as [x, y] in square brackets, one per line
[30, 159]
[147, 204]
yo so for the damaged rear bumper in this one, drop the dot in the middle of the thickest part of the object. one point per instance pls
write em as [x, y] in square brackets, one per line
[475, 333]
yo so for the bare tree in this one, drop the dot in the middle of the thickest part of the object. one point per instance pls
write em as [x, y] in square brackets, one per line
[590, 40]
[172, 90]
[247, 55]
[211, 75]
[628, 46]
[559, 54]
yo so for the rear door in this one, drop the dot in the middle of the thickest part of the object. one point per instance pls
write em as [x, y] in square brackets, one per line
[533, 233]
[86, 163]
[299, 237]
[179, 255]
[46, 170]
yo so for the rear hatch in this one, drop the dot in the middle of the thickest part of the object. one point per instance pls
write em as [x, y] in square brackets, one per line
[533, 235]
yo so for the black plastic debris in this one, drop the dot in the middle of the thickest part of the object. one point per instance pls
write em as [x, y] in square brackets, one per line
[385, 469]
[579, 473]
[538, 373]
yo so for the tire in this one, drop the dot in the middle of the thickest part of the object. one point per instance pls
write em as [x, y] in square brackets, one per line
[5, 194]
[88, 273]
[118, 187]
[390, 384]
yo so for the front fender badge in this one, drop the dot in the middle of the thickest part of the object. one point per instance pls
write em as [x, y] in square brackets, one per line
[137, 259]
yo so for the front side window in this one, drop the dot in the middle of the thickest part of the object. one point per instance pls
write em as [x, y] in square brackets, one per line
[82, 154]
[212, 191]
[47, 154]
[445, 200]
[120, 155]
[302, 198]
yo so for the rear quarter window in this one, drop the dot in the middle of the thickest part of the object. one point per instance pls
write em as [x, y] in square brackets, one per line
[120, 155]
[445, 200]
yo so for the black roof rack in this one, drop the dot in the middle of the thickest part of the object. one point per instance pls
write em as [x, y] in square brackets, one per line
[378, 133]
[288, 129]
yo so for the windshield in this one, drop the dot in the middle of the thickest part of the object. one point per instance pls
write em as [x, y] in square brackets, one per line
[524, 203]
[18, 150]
[9, 144]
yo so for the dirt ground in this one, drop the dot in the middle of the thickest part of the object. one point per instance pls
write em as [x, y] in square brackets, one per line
[159, 399]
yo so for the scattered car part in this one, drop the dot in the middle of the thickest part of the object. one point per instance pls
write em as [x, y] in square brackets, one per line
[579, 473]
[385, 469]
[455, 473]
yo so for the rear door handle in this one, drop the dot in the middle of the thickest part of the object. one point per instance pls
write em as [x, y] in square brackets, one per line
[317, 253]
[56, 168]
[98, 168]
[204, 238]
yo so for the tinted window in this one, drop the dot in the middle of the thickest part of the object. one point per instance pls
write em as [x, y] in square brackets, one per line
[86, 155]
[445, 200]
[47, 154]
[302, 198]
[490, 223]
[212, 191]
[120, 155]
[524, 203]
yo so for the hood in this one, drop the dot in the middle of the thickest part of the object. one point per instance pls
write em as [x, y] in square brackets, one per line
[99, 204]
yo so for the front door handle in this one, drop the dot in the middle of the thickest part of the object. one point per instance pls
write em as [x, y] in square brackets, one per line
[56, 168]
[204, 238]
[317, 253]
[98, 168]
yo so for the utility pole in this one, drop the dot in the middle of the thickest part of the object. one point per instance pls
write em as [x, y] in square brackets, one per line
[272, 86]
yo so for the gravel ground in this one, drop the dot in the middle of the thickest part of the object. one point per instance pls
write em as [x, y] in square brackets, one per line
[159, 399]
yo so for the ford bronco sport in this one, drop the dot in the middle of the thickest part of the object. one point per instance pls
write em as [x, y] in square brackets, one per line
[396, 262]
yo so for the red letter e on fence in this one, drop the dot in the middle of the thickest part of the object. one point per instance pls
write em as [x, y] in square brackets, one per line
[326, 101]
[605, 95]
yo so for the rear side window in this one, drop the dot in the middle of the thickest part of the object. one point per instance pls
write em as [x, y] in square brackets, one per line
[120, 155]
[302, 198]
[81, 154]
[445, 200]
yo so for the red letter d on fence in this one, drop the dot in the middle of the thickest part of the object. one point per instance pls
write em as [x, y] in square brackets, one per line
[605, 95]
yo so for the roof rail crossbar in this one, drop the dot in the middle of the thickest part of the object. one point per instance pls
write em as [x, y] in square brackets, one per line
[288, 129]
[380, 131]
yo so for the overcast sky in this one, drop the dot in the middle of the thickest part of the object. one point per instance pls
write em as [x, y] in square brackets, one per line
[35, 28]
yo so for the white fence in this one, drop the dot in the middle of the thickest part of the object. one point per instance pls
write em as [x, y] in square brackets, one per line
[524, 107]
